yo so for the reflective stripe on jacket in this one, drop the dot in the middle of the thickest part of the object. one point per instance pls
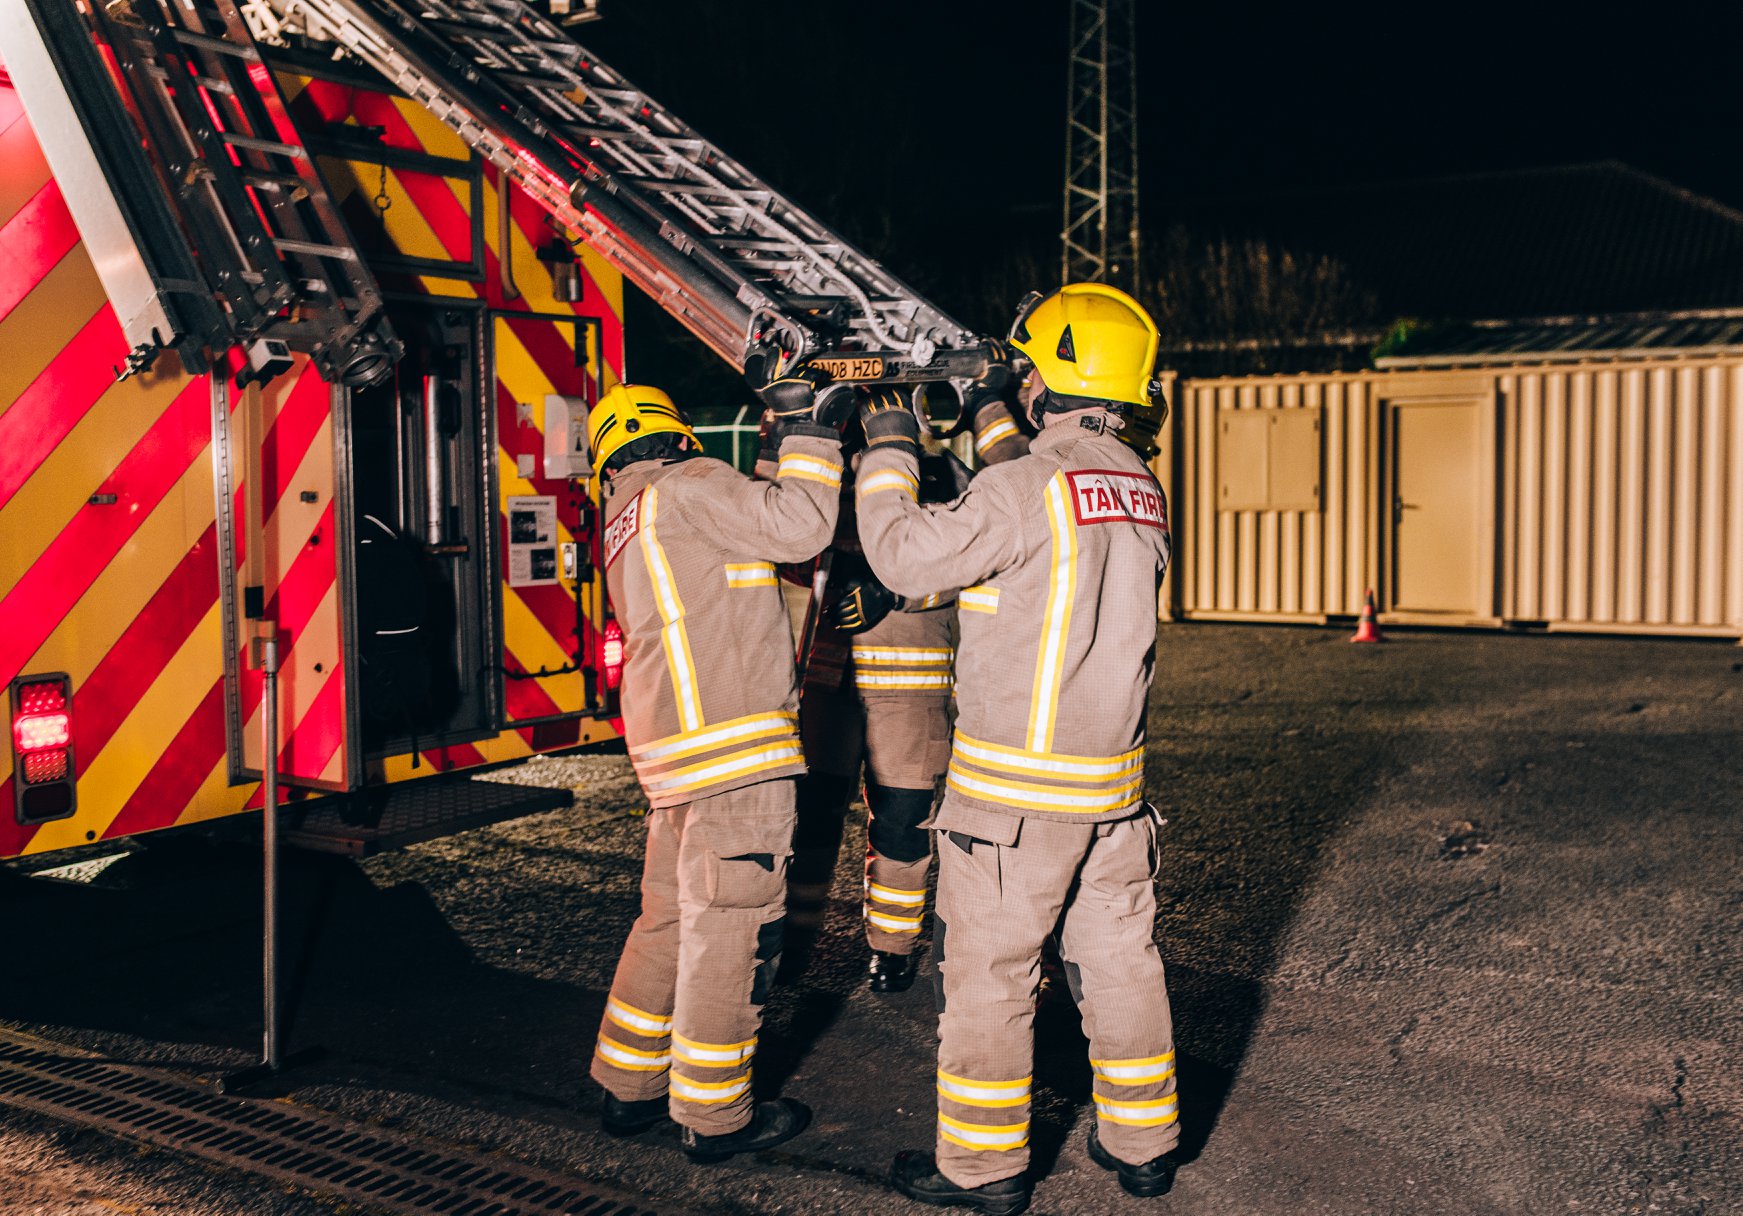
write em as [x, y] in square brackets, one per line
[1058, 556]
[710, 701]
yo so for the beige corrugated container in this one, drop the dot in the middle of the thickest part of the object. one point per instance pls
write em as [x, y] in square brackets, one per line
[1587, 496]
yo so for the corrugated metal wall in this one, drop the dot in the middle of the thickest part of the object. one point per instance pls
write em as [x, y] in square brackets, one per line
[1619, 496]
[1289, 564]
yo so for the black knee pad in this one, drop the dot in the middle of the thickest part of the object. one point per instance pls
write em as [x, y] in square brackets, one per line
[896, 816]
[768, 959]
[821, 805]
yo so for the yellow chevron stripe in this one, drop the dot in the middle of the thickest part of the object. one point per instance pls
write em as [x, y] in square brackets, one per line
[526, 637]
[216, 797]
[127, 584]
[106, 782]
[26, 173]
[44, 321]
[46, 503]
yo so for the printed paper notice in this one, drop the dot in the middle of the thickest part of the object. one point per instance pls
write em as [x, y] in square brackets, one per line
[532, 541]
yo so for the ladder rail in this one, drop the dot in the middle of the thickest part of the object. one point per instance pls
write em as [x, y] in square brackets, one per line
[728, 255]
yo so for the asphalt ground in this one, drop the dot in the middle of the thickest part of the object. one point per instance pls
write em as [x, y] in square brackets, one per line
[1452, 925]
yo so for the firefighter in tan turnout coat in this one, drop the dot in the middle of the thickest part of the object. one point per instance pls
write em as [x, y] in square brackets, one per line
[710, 709]
[1056, 558]
[877, 691]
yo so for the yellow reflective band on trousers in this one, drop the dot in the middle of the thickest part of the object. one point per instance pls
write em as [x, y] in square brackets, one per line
[891, 895]
[712, 1055]
[1147, 1071]
[983, 1093]
[894, 924]
[673, 636]
[641, 1022]
[1056, 626]
[1138, 1114]
[621, 1055]
[707, 1093]
[903, 668]
[984, 1137]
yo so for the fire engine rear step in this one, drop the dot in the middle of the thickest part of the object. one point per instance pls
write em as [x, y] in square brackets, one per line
[391, 817]
[379, 1170]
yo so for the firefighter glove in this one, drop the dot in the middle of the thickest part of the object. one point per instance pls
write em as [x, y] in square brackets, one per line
[998, 383]
[863, 603]
[808, 393]
[889, 421]
[775, 430]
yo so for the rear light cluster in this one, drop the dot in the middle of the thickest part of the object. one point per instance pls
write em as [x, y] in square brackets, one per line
[611, 653]
[42, 748]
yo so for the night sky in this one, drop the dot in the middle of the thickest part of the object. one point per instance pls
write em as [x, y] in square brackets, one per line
[933, 133]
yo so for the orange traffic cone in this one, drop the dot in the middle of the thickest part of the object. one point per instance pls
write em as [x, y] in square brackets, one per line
[1369, 629]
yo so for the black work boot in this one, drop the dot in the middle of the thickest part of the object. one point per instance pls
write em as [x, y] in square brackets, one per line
[771, 1123]
[620, 1118]
[1155, 1177]
[891, 972]
[916, 1175]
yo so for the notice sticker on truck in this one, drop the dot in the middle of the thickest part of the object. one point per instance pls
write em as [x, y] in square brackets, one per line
[532, 541]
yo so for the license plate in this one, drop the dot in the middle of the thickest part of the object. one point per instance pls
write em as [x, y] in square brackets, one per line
[852, 367]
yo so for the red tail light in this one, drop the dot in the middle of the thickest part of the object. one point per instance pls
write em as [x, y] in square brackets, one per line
[611, 653]
[42, 748]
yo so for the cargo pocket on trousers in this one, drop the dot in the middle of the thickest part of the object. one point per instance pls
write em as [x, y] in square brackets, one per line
[1153, 825]
[747, 860]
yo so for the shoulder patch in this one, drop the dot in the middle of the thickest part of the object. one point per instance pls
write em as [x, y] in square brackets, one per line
[621, 530]
[1107, 496]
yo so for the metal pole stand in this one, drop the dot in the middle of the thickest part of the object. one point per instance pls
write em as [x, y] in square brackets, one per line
[272, 1063]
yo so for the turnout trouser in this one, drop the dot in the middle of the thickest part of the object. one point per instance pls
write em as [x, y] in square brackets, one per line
[996, 905]
[904, 743]
[687, 999]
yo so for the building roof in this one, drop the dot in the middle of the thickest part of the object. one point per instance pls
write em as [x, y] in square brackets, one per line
[1469, 345]
[1576, 240]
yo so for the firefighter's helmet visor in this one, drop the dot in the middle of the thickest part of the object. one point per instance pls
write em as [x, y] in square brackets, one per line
[1025, 310]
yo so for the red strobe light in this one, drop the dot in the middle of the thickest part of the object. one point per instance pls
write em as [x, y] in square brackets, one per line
[611, 653]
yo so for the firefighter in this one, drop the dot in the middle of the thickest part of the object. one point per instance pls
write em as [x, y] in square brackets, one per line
[710, 710]
[877, 693]
[1057, 558]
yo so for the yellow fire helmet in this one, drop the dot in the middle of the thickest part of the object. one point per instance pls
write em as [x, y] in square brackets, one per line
[628, 412]
[1092, 341]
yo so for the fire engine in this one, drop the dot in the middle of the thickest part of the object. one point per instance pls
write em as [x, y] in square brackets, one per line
[302, 305]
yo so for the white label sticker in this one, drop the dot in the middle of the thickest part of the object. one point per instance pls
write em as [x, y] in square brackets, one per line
[1105, 496]
[621, 530]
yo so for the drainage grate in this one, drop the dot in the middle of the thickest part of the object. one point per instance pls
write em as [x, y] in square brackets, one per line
[382, 1170]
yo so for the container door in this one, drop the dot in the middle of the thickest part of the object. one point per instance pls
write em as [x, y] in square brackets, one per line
[1441, 544]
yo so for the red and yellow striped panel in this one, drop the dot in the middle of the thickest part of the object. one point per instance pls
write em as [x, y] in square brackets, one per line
[122, 595]
[298, 570]
[427, 217]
